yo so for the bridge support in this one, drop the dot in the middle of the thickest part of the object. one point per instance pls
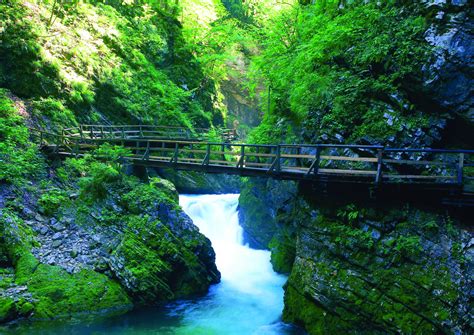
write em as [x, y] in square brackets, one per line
[139, 171]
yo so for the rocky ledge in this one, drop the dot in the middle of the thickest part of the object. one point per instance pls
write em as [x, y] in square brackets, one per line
[134, 248]
[365, 268]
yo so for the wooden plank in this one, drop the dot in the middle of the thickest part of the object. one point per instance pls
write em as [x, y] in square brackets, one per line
[354, 159]
[418, 177]
[460, 168]
[296, 156]
[257, 164]
[354, 172]
[412, 162]
[222, 162]
[254, 154]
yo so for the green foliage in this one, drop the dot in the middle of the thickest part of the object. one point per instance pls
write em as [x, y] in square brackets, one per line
[52, 111]
[98, 172]
[149, 196]
[127, 62]
[23, 69]
[408, 246]
[51, 201]
[350, 213]
[344, 71]
[19, 158]
[99, 176]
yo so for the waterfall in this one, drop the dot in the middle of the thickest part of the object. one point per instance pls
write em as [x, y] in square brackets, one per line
[249, 299]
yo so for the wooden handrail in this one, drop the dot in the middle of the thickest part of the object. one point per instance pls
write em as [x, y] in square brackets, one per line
[373, 163]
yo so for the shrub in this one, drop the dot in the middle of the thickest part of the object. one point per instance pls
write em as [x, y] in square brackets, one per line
[51, 201]
[18, 157]
[52, 110]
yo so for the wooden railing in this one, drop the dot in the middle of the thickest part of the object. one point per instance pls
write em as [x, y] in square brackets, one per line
[147, 131]
[356, 163]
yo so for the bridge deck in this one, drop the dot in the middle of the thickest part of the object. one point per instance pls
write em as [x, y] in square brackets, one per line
[375, 165]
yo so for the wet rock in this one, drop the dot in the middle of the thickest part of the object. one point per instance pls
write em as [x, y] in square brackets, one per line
[346, 274]
[28, 212]
[57, 243]
[73, 195]
[43, 230]
[101, 266]
[57, 227]
[57, 236]
[39, 218]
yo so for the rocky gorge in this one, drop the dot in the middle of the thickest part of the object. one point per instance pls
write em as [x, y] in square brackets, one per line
[364, 268]
[50, 257]
[91, 236]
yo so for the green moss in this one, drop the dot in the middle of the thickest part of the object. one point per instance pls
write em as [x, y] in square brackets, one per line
[7, 309]
[301, 310]
[283, 251]
[146, 196]
[59, 294]
[390, 282]
[254, 212]
[158, 264]
[19, 159]
[53, 113]
[26, 308]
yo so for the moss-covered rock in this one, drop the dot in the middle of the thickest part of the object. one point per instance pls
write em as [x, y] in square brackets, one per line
[60, 294]
[7, 309]
[117, 243]
[258, 202]
[154, 264]
[371, 269]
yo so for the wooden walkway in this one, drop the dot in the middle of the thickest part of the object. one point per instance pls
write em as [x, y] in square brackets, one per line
[92, 132]
[166, 147]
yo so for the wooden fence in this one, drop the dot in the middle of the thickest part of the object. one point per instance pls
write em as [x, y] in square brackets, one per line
[355, 163]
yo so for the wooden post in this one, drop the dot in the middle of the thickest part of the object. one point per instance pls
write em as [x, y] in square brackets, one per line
[378, 176]
[240, 163]
[460, 168]
[258, 157]
[208, 154]
[76, 149]
[81, 132]
[141, 131]
[223, 150]
[92, 132]
[278, 155]
[147, 151]
[176, 149]
[315, 165]
[318, 159]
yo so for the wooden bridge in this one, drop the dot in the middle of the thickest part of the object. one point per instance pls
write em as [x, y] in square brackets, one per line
[443, 170]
